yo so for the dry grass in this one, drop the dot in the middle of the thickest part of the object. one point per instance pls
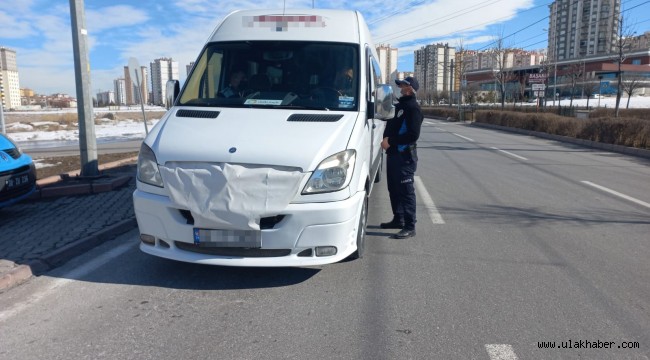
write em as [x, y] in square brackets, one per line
[631, 132]
[69, 120]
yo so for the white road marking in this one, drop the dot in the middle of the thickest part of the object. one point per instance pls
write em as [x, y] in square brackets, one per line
[463, 137]
[500, 352]
[66, 279]
[623, 196]
[435, 216]
[509, 153]
[430, 123]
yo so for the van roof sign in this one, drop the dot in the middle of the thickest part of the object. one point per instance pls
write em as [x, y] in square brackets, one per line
[283, 22]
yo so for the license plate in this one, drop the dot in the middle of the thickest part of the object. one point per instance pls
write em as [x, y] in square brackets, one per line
[16, 181]
[227, 238]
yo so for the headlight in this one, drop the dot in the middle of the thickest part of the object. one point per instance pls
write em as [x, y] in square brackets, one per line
[333, 173]
[148, 171]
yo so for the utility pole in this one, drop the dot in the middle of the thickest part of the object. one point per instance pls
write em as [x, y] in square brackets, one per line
[87, 138]
[451, 81]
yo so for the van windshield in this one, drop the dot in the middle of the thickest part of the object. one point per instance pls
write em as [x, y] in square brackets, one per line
[292, 74]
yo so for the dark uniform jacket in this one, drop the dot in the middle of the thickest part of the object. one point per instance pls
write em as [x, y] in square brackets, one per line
[407, 113]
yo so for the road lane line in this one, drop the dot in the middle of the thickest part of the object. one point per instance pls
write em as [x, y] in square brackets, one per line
[429, 123]
[500, 352]
[464, 137]
[623, 196]
[66, 279]
[509, 153]
[435, 216]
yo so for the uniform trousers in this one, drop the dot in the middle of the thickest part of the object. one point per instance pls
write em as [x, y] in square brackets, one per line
[400, 170]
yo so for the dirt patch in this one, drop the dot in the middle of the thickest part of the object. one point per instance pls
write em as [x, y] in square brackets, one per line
[65, 164]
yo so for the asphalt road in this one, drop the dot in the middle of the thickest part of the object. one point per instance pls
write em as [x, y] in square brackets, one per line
[520, 241]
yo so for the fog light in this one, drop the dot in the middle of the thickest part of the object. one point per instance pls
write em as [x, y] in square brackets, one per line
[325, 250]
[148, 239]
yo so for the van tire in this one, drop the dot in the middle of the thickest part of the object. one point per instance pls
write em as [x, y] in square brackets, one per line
[361, 232]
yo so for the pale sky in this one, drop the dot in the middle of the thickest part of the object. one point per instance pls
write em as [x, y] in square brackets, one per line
[40, 31]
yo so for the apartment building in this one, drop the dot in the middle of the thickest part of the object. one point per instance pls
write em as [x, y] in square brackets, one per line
[120, 91]
[433, 67]
[582, 28]
[130, 93]
[9, 82]
[388, 63]
[162, 70]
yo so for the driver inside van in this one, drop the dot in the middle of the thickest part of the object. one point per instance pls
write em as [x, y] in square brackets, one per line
[235, 87]
[343, 81]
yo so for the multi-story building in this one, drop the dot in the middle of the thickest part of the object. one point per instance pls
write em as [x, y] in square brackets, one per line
[582, 28]
[120, 91]
[131, 94]
[106, 98]
[9, 82]
[388, 63]
[162, 70]
[641, 42]
[433, 67]
[188, 68]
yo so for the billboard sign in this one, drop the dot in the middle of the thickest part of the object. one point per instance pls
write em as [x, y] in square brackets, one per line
[537, 78]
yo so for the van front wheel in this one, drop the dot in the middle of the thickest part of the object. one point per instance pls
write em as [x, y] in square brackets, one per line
[361, 231]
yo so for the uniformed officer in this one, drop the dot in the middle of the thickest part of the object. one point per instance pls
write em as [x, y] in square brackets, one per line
[400, 137]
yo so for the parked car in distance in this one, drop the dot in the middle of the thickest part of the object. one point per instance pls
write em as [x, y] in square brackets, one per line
[17, 173]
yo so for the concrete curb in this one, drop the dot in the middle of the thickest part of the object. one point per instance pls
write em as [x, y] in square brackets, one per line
[588, 143]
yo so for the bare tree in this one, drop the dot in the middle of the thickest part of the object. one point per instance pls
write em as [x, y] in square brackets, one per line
[462, 66]
[630, 85]
[574, 73]
[502, 74]
[590, 89]
[622, 46]
[472, 92]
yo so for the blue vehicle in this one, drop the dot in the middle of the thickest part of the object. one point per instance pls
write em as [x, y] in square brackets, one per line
[17, 173]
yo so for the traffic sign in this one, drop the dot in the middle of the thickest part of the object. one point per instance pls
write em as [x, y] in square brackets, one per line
[539, 93]
[538, 87]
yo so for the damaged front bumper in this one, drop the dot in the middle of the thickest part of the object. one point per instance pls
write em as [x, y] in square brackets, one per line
[300, 235]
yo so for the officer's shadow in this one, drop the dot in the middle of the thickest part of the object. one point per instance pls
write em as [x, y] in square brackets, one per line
[370, 230]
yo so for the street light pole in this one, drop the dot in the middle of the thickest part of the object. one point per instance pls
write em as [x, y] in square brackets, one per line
[451, 81]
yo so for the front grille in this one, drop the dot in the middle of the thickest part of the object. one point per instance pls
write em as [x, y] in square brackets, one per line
[202, 114]
[314, 118]
[15, 171]
[265, 223]
[270, 222]
[230, 251]
[189, 219]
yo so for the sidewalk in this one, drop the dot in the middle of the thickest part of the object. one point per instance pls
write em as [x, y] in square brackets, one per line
[64, 219]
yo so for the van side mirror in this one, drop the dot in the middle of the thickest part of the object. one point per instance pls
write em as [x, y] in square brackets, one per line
[172, 89]
[383, 106]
